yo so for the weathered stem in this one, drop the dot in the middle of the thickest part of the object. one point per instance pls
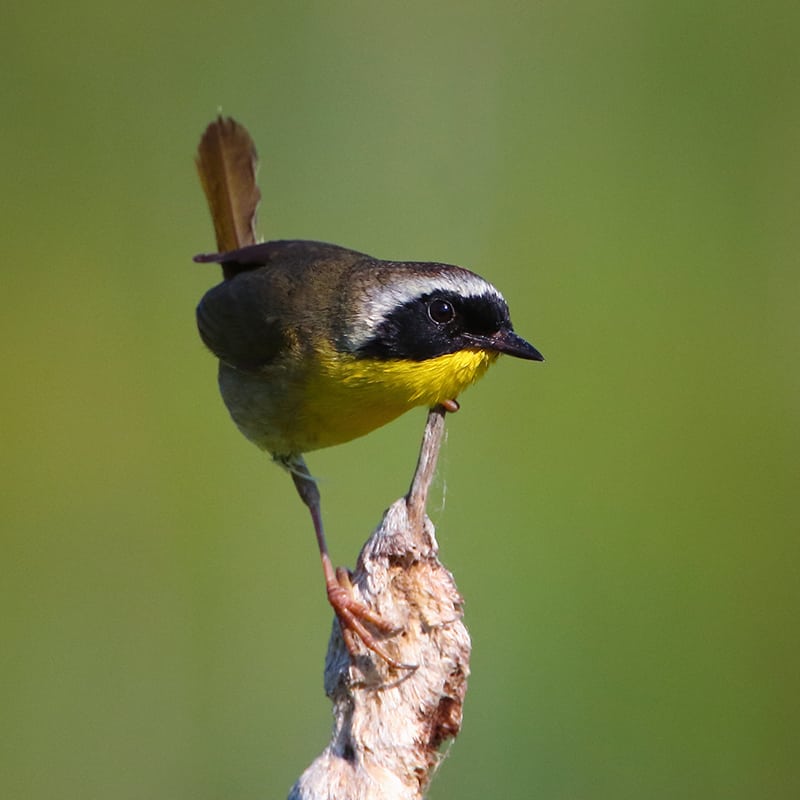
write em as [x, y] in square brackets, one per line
[389, 723]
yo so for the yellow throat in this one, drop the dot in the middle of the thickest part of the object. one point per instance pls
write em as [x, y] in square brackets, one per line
[347, 397]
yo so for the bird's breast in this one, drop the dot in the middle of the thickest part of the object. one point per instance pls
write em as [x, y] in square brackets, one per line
[333, 397]
[348, 397]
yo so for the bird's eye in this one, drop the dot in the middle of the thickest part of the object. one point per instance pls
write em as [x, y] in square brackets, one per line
[440, 311]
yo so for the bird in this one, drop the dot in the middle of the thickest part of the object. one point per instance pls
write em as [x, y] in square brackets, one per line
[319, 344]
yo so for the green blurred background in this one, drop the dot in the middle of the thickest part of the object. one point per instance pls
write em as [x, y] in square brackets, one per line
[622, 519]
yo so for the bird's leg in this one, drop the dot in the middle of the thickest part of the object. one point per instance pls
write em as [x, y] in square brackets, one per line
[351, 613]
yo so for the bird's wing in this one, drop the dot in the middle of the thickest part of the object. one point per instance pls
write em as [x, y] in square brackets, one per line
[238, 322]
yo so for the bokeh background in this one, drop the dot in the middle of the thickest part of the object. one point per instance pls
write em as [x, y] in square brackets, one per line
[622, 519]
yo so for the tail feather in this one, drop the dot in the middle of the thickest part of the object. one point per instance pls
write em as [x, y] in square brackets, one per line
[226, 163]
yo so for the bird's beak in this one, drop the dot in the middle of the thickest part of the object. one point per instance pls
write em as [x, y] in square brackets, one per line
[506, 341]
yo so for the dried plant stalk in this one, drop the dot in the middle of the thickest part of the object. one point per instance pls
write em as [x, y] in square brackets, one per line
[390, 724]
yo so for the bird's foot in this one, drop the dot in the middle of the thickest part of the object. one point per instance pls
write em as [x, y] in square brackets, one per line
[354, 617]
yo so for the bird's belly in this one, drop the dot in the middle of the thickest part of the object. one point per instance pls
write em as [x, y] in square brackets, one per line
[335, 400]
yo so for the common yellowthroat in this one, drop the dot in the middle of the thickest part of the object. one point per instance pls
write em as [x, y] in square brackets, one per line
[318, 344]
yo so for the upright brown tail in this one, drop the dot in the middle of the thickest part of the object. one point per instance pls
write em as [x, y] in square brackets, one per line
[226, 163]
